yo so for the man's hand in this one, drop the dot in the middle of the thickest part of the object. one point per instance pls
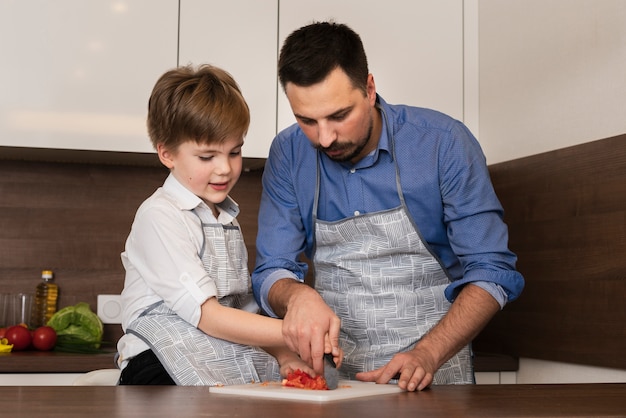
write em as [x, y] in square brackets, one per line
[470, 312]
[416, 369]
[310, 327]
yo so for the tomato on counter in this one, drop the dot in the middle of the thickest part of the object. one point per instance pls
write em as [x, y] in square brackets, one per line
[19, 336]
[44, 338]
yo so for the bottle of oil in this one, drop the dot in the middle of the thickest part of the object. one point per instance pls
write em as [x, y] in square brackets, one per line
[46, 296]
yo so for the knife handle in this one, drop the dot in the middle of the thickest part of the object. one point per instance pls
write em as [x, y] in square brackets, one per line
[329, 357]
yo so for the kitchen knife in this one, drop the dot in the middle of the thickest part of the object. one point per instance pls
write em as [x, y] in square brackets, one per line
[330, 372]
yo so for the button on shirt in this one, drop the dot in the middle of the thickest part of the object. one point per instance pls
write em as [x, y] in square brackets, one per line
[445, 183]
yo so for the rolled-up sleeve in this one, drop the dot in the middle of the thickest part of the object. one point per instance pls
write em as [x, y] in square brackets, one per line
[474, 222]
[161, 257]
[282, 234]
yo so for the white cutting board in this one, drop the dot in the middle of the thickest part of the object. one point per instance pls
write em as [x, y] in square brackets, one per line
[346, 389]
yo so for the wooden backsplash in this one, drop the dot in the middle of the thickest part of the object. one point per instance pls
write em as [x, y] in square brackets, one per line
[566, 212]
[74, 218]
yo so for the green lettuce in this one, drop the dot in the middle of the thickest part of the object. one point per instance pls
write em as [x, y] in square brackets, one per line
[78, 328]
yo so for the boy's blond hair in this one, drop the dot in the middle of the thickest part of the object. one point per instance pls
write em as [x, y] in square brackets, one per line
[203, 104]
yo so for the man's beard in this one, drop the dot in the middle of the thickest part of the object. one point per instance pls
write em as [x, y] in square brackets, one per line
[358, 147]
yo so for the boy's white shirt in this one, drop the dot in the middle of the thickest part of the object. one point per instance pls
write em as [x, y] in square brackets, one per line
[165, 255]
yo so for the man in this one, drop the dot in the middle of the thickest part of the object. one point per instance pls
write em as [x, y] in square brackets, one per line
[395, 207]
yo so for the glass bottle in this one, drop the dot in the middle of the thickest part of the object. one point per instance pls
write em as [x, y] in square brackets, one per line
[46, 296]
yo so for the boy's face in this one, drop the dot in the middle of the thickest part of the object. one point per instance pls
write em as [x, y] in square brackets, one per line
[208, 170]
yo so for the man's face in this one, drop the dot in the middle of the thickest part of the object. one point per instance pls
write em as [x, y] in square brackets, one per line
[336, 117]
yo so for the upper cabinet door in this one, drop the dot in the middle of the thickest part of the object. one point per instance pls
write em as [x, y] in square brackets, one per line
[238, 36]
[77, 74]
[414, 48]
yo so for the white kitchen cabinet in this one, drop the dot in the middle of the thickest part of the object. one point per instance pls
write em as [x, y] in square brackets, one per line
[38, 379]
[240, 37]
[414, 49]
[551, 74]
[496, 378]
[78, 74]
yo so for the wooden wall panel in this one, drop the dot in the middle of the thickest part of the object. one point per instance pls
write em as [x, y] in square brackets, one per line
[74, 218]
[566, 212]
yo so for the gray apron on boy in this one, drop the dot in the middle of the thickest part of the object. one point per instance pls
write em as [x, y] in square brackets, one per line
[375, 272]
[190, 356]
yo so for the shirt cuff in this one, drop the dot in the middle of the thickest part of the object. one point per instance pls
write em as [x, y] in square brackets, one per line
[267, 285]
[494, 290]
[188, 307]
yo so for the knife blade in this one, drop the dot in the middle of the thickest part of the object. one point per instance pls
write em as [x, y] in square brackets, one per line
[330, 372]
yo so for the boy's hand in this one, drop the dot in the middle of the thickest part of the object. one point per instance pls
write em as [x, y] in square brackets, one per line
[290, 362]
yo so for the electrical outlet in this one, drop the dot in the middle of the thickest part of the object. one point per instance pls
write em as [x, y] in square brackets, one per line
[110, 309]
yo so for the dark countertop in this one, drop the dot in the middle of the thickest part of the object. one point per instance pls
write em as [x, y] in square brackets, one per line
[502, 401]
[59, 362]
[54, 362]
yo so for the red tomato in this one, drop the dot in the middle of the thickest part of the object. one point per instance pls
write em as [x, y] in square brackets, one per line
[44, 338]
[18, 336]
[3, 332]
[302, 380]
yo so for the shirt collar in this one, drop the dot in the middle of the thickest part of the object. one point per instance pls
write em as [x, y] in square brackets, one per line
[383, 142]
[187, 200]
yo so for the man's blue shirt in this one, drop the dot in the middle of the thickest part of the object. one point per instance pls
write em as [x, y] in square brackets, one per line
[445, 183]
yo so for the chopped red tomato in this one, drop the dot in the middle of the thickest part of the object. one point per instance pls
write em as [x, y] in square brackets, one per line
[300, 379]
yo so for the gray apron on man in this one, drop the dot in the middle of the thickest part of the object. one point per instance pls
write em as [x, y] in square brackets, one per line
[192, 357]
[375, 272]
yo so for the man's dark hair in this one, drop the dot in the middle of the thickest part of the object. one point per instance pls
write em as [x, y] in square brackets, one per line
[310, 53]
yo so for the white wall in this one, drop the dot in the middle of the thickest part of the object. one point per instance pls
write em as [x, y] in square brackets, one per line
[552, 73]
[540, 371]
[542, 75]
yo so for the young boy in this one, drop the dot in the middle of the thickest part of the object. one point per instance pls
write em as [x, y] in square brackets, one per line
[188, 313]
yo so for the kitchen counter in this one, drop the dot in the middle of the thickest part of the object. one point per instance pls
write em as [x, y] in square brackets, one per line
[571, 400]
[59, 362]
[54, 362]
